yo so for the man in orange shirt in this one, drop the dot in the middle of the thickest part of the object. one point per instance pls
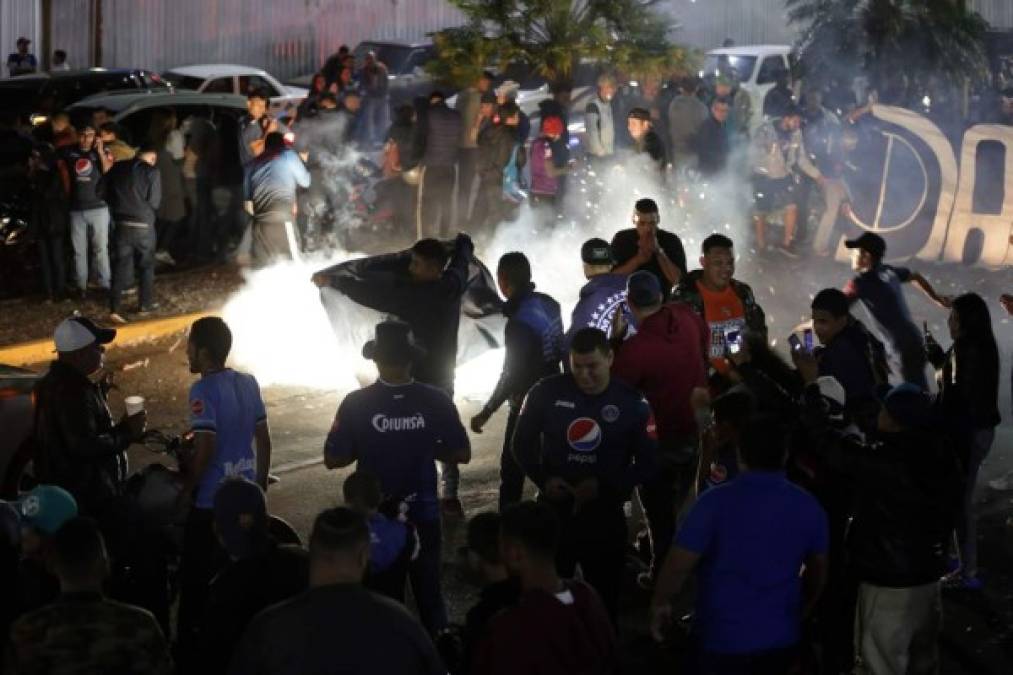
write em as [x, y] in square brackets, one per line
[726, 305]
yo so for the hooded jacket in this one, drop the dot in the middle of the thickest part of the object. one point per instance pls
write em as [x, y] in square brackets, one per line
[133, 191]
[778, 155]
[666, 360]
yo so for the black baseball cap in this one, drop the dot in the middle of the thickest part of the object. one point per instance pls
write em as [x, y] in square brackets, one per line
[872, 243]
[643, 289]
[596, 252]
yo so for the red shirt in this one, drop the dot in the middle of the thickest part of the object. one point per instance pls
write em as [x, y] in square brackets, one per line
[547, 634]
[666, 360]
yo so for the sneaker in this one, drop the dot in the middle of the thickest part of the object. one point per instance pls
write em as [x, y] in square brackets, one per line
[116, 318]
[145, 311]
[164, 257]
[452, 507]
[788, 251]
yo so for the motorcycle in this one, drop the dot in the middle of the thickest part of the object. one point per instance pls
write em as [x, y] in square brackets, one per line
[17, 255]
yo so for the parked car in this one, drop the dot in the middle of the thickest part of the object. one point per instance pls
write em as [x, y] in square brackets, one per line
[232, 79]
[17, 416]
[755, 66]
[406, 68]
[42, 94]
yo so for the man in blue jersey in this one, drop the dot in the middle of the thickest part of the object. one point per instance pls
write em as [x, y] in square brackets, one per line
[396, 428]
[534, 338]
[602, 296]
[586, 440]
[228, 417]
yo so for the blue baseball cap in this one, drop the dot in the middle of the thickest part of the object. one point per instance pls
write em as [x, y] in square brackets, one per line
[643, 289]
[46, 508]
[907, 404]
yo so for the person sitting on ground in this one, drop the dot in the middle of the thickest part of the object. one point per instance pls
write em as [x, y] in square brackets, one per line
[259, 573]
[337, 626]
[394, 543]
[647, 247]
[557, 626]
[83, 631]
[726, 304]
[500, 591]
[753, 592]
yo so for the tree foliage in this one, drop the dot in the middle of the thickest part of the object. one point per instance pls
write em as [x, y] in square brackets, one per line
[552, 37]
[925, 40]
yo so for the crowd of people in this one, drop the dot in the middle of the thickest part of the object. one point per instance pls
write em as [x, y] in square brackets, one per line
[820, 503]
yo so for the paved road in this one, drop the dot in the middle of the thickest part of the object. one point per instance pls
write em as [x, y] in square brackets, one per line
[978, 636]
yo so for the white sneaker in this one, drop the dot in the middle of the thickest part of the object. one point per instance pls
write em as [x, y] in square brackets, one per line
[164, 257]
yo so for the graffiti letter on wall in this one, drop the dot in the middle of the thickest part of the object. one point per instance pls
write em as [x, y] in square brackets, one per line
[996, 228]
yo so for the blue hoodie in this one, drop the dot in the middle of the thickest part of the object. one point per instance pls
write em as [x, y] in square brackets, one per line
[600, 297]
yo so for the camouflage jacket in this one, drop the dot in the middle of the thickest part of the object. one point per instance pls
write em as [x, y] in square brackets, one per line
[86, 633]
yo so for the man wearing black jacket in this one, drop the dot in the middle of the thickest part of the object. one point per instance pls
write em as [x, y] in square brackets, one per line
[134, 192]
[79, 447]
[425, 292]
[439, 159]
[534, 344]
[909, 493]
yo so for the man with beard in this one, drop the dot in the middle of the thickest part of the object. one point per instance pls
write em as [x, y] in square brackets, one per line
[425, 292]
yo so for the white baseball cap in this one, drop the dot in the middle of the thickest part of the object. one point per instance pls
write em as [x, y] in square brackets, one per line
[78, 332]
[832, 390]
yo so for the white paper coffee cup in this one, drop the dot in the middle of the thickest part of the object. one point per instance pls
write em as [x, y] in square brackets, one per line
[134, 404]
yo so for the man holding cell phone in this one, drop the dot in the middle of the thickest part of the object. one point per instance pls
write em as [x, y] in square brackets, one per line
[725, 304]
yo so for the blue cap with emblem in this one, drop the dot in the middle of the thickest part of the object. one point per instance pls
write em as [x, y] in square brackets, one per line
[643, 289]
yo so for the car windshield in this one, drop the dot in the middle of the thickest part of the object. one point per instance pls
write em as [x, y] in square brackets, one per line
[67, 90]
[393, 56]
[741, 66]
[183, 81]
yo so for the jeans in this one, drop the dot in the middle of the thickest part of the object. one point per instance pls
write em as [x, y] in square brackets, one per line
[54, 271]
[835, 192]
[272, 241]
[436, 194]
[911, 352]
[135, 246]
[594, 538]
[897, 629]
[467, 176]
[375, 117]
[424, 574]
[90, 227]
[662, 498]
[200, 224]
[967, 530]
[168, 233]
[511, 475]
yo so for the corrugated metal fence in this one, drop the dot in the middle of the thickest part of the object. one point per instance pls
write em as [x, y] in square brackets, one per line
[290, 37]
[285, 37]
